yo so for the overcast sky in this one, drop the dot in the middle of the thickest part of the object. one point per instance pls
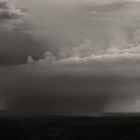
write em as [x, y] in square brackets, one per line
[70, 56]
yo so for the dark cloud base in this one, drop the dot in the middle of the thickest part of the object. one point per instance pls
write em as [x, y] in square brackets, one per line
[60, 90]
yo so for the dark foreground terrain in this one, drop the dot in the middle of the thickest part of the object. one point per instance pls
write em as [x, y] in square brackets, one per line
[42, 127]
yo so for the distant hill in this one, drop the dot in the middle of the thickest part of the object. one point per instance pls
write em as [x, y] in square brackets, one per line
[110, 126]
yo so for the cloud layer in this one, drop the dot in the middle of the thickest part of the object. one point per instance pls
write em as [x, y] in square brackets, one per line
[85, 52]
[10, 15]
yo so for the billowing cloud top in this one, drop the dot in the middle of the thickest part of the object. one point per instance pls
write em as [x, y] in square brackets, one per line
[111, 28]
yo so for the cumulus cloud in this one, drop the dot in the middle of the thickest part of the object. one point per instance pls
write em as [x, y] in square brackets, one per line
[48, 58]
[126, 12]
[85, 52]
[10, 15]
[30, 59]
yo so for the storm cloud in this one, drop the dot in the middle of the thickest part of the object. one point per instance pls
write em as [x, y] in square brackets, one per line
[72, 88]
[73, 57]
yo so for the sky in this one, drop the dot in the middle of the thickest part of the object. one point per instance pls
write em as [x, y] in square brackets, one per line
[75, 57]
